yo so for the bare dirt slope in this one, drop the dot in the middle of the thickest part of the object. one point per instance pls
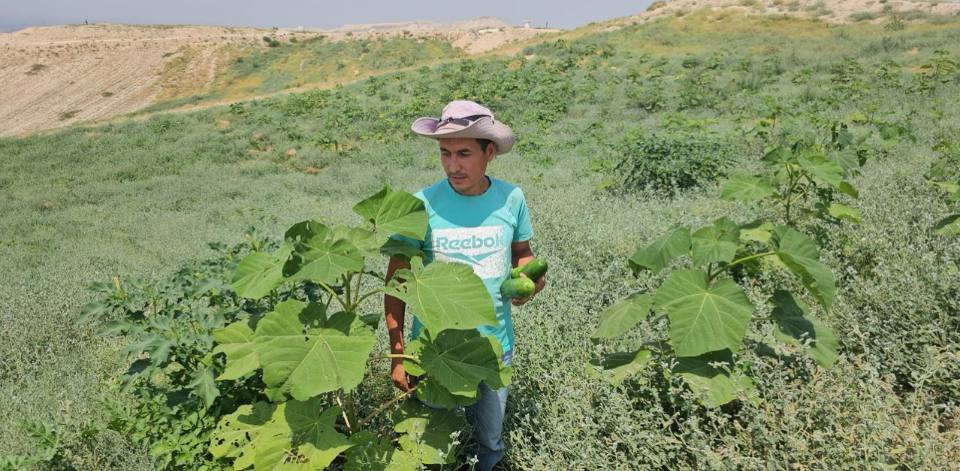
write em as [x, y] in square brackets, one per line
[475, 36]
[52, 77]
[55, 76]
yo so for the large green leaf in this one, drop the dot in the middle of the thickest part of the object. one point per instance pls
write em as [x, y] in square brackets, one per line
[709, 377]
[395, 212]
[703, 317]
[716, 243]
[293, 435]
[425, 433]
[778, 155]
[370, 453]
[796, 326]
[756, 231]
[306, 354]
[800, 255]
[822, 168]
[948, 226]
[662, 251]
[848, 189]
[318, 254]
[366, 240]
[369, 207]
[236, 341]
[746, 188]
[950, 187]
[259, 273]
[445, 295]
[841, 211]
[431, 392]
[460, 359]
[299, 436]
[846, 159]
[204, 386]
[622, 365]
[92, 310]
[236, 433]
[622, 316]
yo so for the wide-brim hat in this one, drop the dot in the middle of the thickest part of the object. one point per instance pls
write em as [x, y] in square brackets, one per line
[463, 118]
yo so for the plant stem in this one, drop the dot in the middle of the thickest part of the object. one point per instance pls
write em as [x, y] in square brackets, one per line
[343, 412]
[713, 274]
[384, 407]
[346, 292]
[356, 302]
[326, 306]
[333, 293]
[790, 188]
[365, 296]
[400, 355]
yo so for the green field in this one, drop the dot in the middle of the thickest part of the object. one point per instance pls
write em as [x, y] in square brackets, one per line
[142, 199]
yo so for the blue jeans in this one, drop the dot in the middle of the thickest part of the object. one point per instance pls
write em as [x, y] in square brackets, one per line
[486, 417]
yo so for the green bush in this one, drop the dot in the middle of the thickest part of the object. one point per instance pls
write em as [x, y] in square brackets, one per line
[670, 164]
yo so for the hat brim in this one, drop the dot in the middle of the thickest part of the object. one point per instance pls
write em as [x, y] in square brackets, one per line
[483, 128]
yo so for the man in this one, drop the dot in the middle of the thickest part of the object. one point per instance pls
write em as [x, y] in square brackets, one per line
[469, 205]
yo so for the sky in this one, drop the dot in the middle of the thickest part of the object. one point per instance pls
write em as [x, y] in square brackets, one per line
[16, 14]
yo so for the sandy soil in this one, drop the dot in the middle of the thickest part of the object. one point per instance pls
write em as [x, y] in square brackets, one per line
[56, 76]
[475, 36]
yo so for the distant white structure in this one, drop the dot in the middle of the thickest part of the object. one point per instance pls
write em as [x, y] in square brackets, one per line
[526, 24]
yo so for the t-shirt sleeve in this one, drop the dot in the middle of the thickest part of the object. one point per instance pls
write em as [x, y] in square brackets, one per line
[524, 230]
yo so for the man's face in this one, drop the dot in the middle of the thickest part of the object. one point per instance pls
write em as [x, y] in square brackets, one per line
[465, 164]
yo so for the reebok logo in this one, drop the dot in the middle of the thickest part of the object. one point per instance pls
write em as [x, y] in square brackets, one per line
[472, 242]
[483, 248]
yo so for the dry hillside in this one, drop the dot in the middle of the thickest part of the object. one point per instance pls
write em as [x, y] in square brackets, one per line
[51, 77]
[55, 76]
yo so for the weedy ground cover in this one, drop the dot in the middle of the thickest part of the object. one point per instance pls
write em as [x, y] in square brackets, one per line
[143, 199]
[250, 71]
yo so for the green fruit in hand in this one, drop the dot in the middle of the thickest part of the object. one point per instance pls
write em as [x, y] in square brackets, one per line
[534, 269]
[517, 288]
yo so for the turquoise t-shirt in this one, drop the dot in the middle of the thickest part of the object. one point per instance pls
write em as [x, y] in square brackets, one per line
[477, 230]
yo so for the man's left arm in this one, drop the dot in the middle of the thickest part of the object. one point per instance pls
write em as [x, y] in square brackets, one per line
[521, 254]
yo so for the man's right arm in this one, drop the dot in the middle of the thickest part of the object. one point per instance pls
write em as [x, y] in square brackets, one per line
[394, 312]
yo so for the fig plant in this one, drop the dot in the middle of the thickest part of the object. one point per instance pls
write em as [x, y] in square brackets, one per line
[707, 310]
[312, 354]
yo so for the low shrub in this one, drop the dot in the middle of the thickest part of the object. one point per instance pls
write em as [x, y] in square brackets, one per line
[670, 164]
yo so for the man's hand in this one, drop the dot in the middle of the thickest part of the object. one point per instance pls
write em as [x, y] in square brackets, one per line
[401, 379]
[521, 253]
[539, 286]
[399, 375]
